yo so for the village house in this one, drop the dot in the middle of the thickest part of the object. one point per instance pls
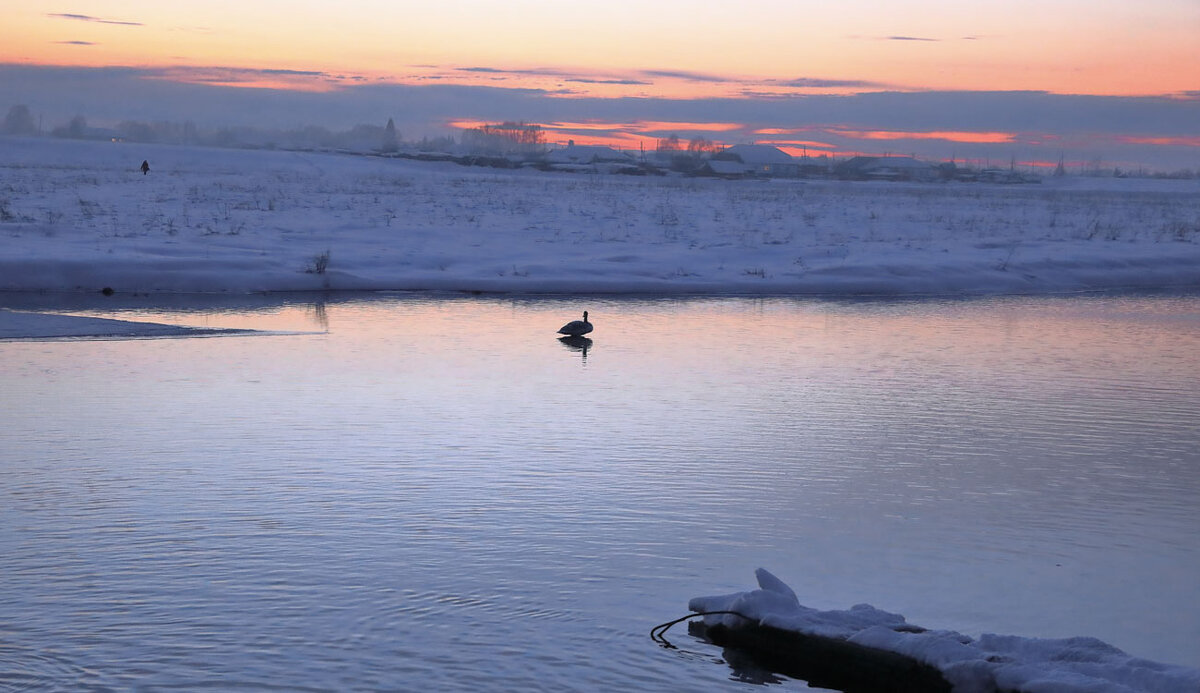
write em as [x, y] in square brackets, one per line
[886, 168]
[587, 157]
[752, 160]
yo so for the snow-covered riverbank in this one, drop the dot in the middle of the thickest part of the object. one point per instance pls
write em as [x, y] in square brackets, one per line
[79, 216]
[32, 325]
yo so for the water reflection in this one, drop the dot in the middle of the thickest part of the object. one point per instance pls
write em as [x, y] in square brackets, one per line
[575, 343]
[320, 316]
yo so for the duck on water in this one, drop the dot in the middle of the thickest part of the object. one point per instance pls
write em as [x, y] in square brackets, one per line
[576, 328]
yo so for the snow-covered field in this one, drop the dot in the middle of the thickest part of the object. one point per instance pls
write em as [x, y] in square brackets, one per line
[79, 216]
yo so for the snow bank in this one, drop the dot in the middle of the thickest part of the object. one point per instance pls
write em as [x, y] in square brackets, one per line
[989, 663]
[79, 216]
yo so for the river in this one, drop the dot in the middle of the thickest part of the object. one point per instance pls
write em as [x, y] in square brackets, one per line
[434, 492]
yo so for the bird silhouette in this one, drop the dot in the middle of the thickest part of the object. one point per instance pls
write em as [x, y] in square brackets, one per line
[576, 328]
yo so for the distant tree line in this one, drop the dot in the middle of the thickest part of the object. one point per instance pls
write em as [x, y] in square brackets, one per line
[510, 139]
[20, 121]
[505, 138]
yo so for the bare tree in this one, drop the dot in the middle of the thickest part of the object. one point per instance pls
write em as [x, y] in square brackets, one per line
[76, 129]
[391, 141]
[699, 146]
[19, 121]
[505, 138]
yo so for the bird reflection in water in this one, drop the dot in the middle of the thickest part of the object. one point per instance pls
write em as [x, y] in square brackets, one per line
[577, 343]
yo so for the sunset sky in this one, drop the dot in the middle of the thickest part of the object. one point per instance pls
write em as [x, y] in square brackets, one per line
[1104, 79]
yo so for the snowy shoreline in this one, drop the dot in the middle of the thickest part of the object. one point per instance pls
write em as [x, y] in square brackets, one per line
[24, 325]
[79, 217]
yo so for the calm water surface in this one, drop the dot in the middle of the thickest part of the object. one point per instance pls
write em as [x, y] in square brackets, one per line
[431, 493]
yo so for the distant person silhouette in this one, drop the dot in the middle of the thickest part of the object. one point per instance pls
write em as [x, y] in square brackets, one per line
[145, 167]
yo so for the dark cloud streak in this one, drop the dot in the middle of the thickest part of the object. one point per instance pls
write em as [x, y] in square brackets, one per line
[817, 83]
[215, 73]
[556, 74]
[576, 78]
[629, 82]
[688, 76]
[89, 18]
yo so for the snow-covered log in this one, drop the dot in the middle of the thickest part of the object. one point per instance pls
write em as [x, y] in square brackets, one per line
[871, 645]
[826, 662]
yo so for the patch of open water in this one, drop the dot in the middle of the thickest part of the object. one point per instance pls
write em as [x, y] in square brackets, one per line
[428, 492]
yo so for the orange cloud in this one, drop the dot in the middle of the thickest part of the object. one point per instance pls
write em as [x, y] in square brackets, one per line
[1163, 141]
[590, 125]
[673, 125]
[781, 131]
[798, 144]
[949, 136]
